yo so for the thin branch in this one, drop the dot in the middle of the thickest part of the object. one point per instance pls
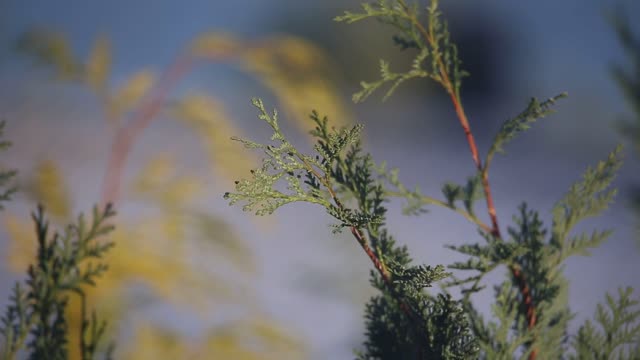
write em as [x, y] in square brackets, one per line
[360, 237]
[523, 286]
[424, 199]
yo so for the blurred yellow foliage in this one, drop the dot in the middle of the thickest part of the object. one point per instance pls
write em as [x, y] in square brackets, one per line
[217, 234]
[47, 187]
[130, 93]
[142, 256]
[153, 252]
[208, 118]
[158, 250]
[298, 72]
[98, 64]
[154, 343]
[214, 45]
[158, 180]
[155, 174]
[23, 242]
[241, 341]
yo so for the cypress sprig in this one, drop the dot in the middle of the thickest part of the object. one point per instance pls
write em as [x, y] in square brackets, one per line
[341, 171]
[284, 163]
[617, 334]
[437, 56]
[512, 127]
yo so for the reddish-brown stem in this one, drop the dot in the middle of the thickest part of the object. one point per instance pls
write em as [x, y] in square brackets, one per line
[141, 118]
[525, 291]
[360, 237]
[374, 258]
[523, 286]
[464, 122]
[384, 273]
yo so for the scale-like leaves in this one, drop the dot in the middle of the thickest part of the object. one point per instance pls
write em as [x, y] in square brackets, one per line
[468, 193]
[132, 90]
[99, 65]
[512, 127]
[432, 40]
[502, 342]
[416, 278]
[618, 335]
[585, 199]
[442, 331]
[283, 162]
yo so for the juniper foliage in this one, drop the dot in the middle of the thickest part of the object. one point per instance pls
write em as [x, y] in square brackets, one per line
[617, 333]
[35, 318]
[422, 326]
[531, 311]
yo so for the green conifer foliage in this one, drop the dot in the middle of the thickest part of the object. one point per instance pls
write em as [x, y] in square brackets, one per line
[530, 314]
[616, 332]
[403, 321]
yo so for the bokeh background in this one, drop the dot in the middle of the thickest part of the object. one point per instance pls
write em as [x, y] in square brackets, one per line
[190, 275]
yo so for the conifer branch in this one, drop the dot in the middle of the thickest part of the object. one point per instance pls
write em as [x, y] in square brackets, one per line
[416, 200]
[329, 176]
[318, 171]
[445, 70]
[428, 200]
[618, 328]
[532, 303]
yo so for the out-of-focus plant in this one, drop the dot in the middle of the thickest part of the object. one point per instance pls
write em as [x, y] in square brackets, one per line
[6, 176]
[65, 265]
[157, 249]
[628, 80]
